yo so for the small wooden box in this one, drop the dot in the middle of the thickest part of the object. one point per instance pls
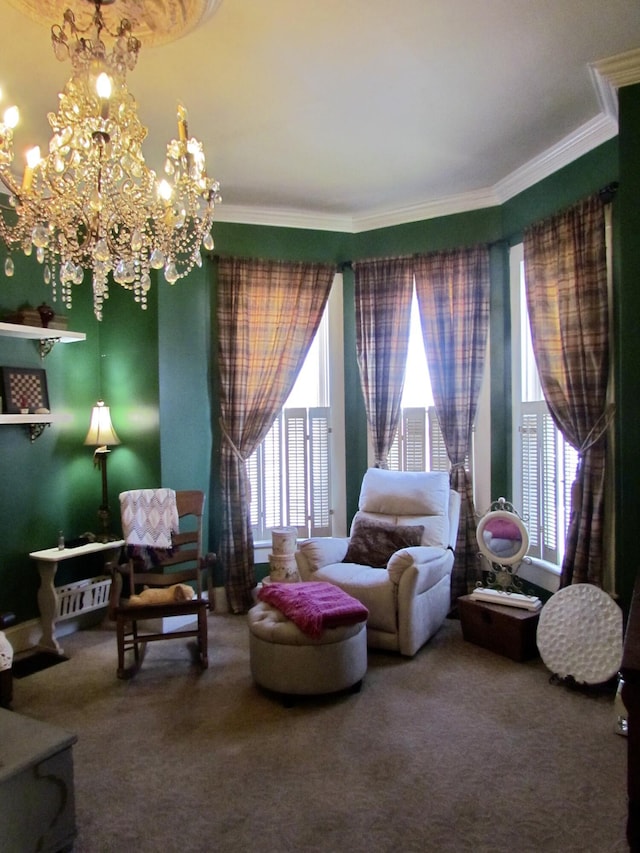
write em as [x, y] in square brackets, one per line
[509, 631]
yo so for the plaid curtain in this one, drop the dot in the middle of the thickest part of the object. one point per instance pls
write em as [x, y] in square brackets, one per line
[566, 283]
[268, 314]
[453, 297]
[383, 291]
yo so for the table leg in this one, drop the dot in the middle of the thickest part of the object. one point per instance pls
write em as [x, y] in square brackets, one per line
[48, 604]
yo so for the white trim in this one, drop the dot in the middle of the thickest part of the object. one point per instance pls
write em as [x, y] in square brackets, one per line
[539, 572]
[620, 70]
[462, 203]
[584, 139]
[282, 218]
[587, 137]
[27, 635]
[24, 636]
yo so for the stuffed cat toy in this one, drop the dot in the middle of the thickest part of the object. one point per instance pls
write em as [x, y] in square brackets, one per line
[166, 595]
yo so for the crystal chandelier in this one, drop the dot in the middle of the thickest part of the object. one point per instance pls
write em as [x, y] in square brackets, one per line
[91, 203]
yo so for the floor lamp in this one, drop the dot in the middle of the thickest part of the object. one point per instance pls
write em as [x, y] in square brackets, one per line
[102, 434]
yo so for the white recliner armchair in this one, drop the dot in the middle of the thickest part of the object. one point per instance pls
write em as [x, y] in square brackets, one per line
[398, 558]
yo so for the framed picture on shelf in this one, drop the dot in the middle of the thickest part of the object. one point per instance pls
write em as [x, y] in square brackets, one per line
[24, 390]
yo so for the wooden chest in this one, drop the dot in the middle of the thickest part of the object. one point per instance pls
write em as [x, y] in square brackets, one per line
[37, 802]
[509, 631]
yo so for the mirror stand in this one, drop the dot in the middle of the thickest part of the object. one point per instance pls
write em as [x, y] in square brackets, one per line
[503, 542]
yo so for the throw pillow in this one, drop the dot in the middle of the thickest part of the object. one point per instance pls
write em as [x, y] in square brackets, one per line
[373, 542]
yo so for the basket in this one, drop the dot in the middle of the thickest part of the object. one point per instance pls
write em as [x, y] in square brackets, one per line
[83, 596]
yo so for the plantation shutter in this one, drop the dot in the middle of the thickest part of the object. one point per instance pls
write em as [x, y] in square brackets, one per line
[414, 450]
[539, 458]
[296, 453]
[438, 457]
[272, 464]
[549, 489]
[530, 480]
[570, 469]
[253, 465]
[393, 457]
[319, 472]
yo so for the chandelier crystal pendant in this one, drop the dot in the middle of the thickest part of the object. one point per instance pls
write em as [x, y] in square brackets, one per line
[92, 204]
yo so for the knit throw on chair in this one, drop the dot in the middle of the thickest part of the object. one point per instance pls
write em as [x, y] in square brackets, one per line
[149, 517]
[314, 606]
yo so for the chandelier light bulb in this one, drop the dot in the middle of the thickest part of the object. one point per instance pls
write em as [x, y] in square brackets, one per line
[91, 203]
[103, 88]
[33, 160]
[164, 190]
[11, 117]
[33, 157]
[103, 85]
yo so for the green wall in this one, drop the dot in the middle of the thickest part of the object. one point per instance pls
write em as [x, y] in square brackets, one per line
[51, 484]
[156, 368]
[627, 352]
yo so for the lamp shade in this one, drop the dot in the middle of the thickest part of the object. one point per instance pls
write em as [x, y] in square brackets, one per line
[101, 432]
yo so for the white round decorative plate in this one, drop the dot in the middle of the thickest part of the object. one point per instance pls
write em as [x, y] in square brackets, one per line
[153, 21]
[580, 634]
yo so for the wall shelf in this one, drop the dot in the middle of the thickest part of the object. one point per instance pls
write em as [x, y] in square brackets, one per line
[46, 337]
[37, 333]
[35, 423]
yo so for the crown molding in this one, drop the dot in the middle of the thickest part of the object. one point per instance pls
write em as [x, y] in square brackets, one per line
[282, 218]
[584, 139]
[608, 75]
[620, 70]
[447, 206]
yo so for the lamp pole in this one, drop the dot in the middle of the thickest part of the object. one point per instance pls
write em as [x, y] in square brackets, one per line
[104, 513]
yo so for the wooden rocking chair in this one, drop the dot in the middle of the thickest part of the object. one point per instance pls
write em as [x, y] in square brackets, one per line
[183, 564]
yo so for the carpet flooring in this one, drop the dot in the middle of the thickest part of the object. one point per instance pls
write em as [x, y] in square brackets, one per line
[457, 750]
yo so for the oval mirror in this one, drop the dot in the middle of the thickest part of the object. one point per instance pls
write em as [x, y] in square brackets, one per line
[502, 537]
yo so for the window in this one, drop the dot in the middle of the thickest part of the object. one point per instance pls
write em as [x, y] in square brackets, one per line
[544, 464]
[290, 472]
[419, 444]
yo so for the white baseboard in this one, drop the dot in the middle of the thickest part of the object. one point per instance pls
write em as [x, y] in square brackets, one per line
[26, 635]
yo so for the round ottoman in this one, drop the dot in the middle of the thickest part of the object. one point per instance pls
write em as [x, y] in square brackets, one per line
[286, 660]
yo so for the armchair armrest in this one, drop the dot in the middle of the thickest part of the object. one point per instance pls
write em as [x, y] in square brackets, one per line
[315, 553]
[418, 556]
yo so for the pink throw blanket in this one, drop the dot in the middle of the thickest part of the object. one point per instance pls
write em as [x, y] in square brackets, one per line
[314, 606]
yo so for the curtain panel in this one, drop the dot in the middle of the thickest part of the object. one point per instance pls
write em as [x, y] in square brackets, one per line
[268, 315]
[453, 297]
[383, 293]
[567, 299]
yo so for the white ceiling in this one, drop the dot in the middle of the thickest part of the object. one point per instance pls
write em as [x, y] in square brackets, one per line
[354, 114]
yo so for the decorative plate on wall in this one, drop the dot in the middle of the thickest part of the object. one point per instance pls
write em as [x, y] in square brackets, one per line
[580, 634]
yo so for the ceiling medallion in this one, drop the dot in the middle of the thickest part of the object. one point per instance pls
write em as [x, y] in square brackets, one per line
[154, 22]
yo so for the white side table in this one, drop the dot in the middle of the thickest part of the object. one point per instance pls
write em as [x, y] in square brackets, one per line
[47, 562]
